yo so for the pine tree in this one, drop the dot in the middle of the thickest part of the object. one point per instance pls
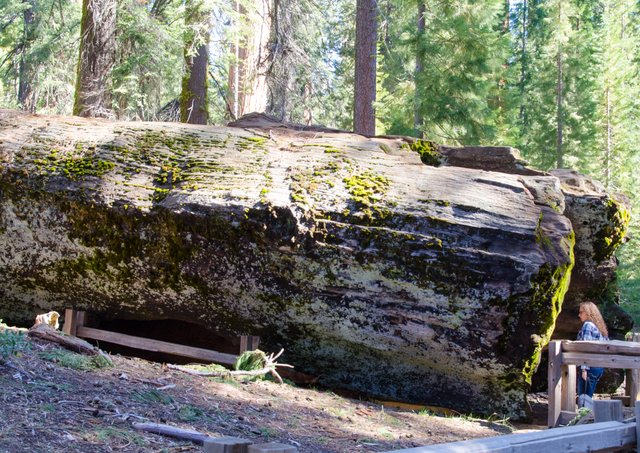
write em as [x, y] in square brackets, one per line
[193, 99]
[364, 121]
[97, 57]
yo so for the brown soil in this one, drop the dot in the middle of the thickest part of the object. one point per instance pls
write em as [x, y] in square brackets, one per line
[46, 407]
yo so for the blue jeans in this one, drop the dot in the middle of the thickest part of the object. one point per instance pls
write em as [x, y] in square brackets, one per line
[593, 376]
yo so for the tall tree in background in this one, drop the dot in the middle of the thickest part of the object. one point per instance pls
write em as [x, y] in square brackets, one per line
[364, 121]
[250, 51]
[418, 119]
[97, 56]
[26, 95]
[193, 99]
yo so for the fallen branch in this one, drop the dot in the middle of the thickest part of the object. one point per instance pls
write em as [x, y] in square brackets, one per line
[172, 431]
[47, 333]
[269, 367]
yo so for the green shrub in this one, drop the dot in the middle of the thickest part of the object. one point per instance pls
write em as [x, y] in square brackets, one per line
[11, 342]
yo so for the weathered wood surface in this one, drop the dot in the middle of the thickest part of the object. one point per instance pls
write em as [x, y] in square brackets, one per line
[602, 347]
[172, 431]
[437, 284]
[48, 333]
[148, 344]
[601, 437]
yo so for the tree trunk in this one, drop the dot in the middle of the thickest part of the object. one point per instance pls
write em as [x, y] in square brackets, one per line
[365, 68]
[97, 56]
[193, 99]
[523, 59]
[418, 120]
[247, 73]
[559, 97]
[26, 94]
[281, 68]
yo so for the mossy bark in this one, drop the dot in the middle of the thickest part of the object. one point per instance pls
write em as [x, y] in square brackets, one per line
[381, 274]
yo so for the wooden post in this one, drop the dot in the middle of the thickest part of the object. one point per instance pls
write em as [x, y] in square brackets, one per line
[226, 445]
[272, 448]
[633, 379]
[72, 320]
[607, 411]
[637, 424]
[569, 388]
[248, 343]
[554, 382]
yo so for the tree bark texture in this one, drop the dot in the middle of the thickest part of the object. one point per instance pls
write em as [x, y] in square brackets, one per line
[247, 73]
[193, 99]
[364, 121]
[559, 98]
[418, 119]
[438, 283]
[26, 93]
[283, 57]
[97, 56]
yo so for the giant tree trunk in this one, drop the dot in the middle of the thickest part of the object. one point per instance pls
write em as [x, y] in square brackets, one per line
[438, 283]
[193, 99]
[97, 56]
[364, 121]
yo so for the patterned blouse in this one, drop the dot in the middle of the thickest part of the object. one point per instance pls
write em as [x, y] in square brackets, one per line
[589, 331]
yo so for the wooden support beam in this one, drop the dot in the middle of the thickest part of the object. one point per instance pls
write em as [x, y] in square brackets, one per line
[272, 447]
[605, 360]
[607, 411]
[148, 344]
[568, 388]
[637, 411]
[554, 382]
[226, 445]
[248, 343]
[600, 437]
[72, 320]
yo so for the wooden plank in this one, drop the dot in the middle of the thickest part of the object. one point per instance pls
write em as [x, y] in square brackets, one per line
[148, 344]
[568, 388]
[70, 322]
[600, 360]
[554, 382]
[607, 411]
[272, 447]
[566, 417]
[634, 387]
[602, 347]
[244, 343]
[637, 411]
[598, 437]
[226, 445]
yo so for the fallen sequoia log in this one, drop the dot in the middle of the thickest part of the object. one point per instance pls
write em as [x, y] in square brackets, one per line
[375, 263]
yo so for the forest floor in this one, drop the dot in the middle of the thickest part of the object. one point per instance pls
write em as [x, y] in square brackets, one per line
[52, 401]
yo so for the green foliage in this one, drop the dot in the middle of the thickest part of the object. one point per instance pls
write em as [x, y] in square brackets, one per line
[12, 343]
[251, 361]
[75, 361]
[39, 52]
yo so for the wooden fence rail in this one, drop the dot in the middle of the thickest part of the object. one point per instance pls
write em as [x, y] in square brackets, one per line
[595, 437]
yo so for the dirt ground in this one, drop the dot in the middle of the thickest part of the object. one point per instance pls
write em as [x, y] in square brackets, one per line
[47, 405]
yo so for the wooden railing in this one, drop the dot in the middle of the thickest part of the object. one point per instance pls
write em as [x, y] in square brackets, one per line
[564, 356]
[595, 437]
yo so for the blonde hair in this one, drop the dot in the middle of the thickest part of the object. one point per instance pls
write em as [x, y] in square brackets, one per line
[593, 315]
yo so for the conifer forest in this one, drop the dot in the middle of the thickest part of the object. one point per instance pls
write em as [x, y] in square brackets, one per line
[559, 80]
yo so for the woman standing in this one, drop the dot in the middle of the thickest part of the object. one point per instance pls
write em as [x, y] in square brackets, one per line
[593, 328]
